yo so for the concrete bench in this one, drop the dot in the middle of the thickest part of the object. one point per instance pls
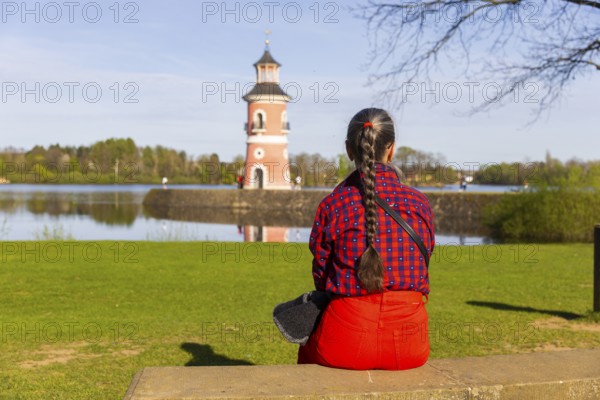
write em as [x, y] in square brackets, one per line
[560, 375]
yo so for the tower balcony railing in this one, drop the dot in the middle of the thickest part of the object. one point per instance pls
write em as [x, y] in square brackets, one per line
[255, 130]
[285, 127]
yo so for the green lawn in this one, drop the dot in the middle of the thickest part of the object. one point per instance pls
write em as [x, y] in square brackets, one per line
[78, 319]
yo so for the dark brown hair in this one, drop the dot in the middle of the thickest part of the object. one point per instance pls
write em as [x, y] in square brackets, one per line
[368, 143]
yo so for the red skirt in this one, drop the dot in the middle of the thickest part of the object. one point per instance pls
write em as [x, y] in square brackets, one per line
[386, 330]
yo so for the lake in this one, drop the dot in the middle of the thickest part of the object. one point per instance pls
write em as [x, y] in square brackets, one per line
[115, 212]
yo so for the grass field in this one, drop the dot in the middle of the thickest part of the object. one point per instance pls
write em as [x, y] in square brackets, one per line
[78, 319]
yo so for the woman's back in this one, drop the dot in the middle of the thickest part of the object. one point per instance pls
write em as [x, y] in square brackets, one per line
[337, 239]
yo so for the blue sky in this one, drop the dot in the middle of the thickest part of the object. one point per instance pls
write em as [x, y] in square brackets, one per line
[177, 51]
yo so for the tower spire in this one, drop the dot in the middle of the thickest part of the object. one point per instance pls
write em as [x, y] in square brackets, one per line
[267, 41]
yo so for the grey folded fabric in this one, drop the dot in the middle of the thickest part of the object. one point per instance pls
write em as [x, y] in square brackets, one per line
[297, 319]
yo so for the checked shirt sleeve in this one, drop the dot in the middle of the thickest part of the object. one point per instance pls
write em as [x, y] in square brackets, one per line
[320, 246]
[426, 232]
[428, 215]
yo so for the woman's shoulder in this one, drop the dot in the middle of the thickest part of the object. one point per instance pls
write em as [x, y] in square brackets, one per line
[348, 189]
[415, 200]
[416, 194]
[404, 193]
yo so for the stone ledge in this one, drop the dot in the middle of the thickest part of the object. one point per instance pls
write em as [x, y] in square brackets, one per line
[455, 213]
[560, 375]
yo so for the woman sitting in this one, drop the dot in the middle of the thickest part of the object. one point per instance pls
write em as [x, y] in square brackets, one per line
[369, 264]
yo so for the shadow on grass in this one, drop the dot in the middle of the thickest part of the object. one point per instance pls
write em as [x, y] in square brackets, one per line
[203, 355]
[508, 307]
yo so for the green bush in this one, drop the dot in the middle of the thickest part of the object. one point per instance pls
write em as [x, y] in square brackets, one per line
[562, 214]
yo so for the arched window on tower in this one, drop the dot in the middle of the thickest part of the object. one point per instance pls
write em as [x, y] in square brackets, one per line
[260, 121]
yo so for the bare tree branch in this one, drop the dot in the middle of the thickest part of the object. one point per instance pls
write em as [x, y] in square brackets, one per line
[546, 43]
[594, 4]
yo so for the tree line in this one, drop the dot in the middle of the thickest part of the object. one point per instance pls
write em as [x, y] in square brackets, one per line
[121, 161]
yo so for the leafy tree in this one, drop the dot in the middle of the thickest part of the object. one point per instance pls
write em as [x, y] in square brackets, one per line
[315, 170]
[423, 168]
[345, 166]
[149, 161]
[36, 155]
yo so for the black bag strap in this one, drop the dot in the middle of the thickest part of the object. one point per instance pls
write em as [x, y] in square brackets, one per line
[411, 232]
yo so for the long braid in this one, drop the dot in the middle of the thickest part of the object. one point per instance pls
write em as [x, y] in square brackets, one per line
[370, 135]
[370, 267]
[368, 169]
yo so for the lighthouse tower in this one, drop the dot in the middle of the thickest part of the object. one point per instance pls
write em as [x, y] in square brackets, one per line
[267, 129]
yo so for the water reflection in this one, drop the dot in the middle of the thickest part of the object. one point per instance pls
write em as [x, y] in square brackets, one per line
[105, 208]
[274, 234]
[117, 213]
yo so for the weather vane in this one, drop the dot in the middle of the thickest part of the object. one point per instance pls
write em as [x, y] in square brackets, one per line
[267, 34]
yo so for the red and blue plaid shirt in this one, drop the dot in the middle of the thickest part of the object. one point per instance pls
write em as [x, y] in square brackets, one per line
[338, 237]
